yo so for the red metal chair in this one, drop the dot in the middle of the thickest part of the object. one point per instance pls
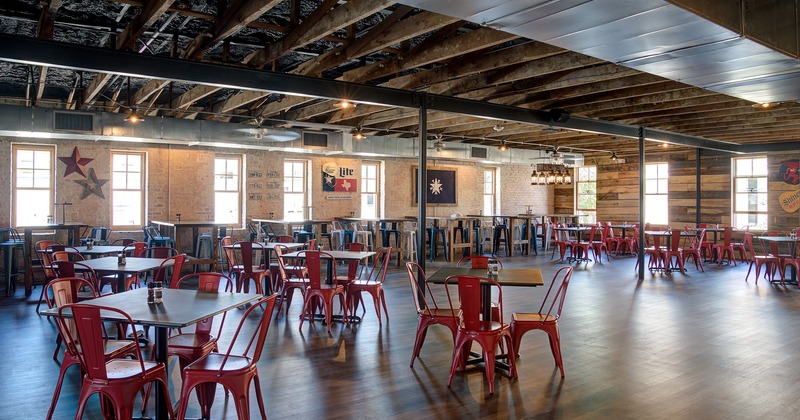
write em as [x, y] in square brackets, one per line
[354, 268]
[290, 282]
[65, 291]
[674, 251]
[319, 293]
[169, 273]
[580, 249]
[235, 372]
[612, 242]
[191, 346]
[471, 327]
[117, 380]
[157, 252]
[562, 243]
[602, 244]
[245, 257]
[737, 244]
[694, 251]
[770, 262]
[372, 284]
[479, 261]
[427, 313]
[546, 321]
[726, 248]
[44, 261]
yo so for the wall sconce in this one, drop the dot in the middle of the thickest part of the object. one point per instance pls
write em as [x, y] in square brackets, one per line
[613, 156]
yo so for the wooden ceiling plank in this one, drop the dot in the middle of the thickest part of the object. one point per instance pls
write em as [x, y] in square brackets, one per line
[150, 14]
[235, 17]
[430, 51]
[271, 52]
[457, 69]
[148, 89]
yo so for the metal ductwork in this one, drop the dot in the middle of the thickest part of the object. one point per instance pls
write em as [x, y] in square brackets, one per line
[47, 123]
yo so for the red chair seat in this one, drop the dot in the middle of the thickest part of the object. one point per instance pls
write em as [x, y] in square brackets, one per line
[216, 361]
[526, 317]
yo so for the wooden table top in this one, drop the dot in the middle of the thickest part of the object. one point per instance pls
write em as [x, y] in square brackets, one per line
[133, 264]
[68, 225]
[527, 277]
[338, 255]
[187, 223]
[180, 307]
[776, 238]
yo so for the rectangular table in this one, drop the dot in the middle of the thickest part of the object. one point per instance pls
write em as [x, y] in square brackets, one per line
[96, 251]
[525, 277]
[784, 240]
[338, 256]
[133, 265]
[73, 238]
[180, 308]
[177, 227]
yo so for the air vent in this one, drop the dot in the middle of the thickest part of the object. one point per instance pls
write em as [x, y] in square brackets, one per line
[479, 152]
[68, 121]
[311, 139]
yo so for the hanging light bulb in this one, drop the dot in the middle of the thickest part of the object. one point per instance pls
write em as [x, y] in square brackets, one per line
[543, 178]
[534, 177]
[503, 146]
[567, 176]
[133, 117]
[344, 104]
[613, 156]
[559, 177]
[358, 135]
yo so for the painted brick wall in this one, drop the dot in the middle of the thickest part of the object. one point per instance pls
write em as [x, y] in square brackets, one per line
[517, 193]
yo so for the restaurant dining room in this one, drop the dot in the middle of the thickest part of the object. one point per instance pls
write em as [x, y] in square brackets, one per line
[367, 209]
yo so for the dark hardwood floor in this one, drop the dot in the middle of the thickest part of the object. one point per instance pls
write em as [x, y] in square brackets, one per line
[694, 345]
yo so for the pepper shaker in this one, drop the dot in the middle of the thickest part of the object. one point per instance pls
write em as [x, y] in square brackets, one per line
[151, 293]
[159, 290]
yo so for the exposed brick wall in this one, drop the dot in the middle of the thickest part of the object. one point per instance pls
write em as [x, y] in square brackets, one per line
[517, 193]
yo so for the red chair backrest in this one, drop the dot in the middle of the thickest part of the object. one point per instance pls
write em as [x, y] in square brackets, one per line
[244, 255]
[727, 235]
[88, 332]
[377, 274]
[352, 266]
[279, 251]
[283, 238]
[176, 264]
[469, 296]
[420, 301]
[67, 255]
[562, 277]
[134, 249]
[256, 343]
[208, 282]
[157, 252]
[314, 266]
[675, 240]
[479, 261]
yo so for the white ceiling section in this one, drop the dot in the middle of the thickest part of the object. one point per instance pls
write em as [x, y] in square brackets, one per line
[653, 36]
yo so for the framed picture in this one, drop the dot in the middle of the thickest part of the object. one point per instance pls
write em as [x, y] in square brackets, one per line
[441, 187]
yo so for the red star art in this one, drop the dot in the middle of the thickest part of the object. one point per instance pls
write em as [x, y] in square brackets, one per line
[75, 163]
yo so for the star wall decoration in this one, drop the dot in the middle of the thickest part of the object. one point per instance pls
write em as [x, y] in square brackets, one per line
[92, 185]
[75, 163]
[436, 186]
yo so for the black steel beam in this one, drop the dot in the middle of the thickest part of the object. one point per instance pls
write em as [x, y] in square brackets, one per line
[83, 58]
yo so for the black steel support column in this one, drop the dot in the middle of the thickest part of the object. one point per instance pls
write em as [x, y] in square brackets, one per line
[697, 169]
[641, 203]
[422, 183]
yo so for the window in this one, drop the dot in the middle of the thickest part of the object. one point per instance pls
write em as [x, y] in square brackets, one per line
[369, 190]
[227, 188]
[294, 189]
[488, 191]
[750, 193]
[656, 203]
[127, 192]
[33, 184]
[586, 193]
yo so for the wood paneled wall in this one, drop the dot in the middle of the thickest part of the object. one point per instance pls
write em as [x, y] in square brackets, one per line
[564, 198]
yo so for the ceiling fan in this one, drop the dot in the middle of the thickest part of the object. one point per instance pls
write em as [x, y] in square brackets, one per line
[438, 145]
[260, 132]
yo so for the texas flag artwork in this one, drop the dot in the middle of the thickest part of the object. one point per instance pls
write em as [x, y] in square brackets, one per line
[338, 179]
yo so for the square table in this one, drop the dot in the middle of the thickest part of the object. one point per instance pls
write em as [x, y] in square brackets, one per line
[74, 232]
[134, 265]
[338, 256]
[526, 277]
[179, 308]
[784, 240]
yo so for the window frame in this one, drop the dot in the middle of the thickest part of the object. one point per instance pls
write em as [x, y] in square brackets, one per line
[15, 148]
[665, 193]
[239, 162]
[142, 187]
[491, 186]
[304, 183]
[364, 184]
[578, 182]
[765, 194]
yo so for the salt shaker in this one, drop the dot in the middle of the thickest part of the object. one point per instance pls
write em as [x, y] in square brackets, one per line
[151, 293]
[121, 258]
[159, 290]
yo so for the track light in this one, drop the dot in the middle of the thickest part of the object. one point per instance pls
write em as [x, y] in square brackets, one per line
[358, 135]
[345, 104]
[613, 156]
[503, 146]
[133, 117]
